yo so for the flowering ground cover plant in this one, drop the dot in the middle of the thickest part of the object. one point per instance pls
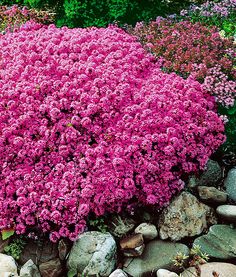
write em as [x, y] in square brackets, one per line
[89, 124]
[13, 17]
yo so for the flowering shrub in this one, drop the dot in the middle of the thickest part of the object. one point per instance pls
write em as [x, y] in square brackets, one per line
[218, 13]
[13, 17]
[193, 49]
[89, 123]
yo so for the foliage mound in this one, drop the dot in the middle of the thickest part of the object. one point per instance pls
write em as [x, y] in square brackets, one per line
[89, 123]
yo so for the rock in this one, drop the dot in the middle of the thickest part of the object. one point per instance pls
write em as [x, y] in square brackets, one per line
[149, 231]
[7, 264]
[120, 226]
[166, 273]
[29, 269]
[8, 274]
[157, 254]
[39, 252]
[212, 195]
[63, 249]
[219, 242]
[118, 273]
[223, 270]
[93, 253]
[227, 212]
[209, 177]
[230, 184]
[185, 217]
[132, 246]
[52, 268]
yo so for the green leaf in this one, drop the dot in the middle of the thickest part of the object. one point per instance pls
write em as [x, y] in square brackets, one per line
[7, 233]
[71, 273]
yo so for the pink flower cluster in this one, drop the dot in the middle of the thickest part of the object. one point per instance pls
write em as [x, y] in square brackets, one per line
[89, 123]
[192, 49]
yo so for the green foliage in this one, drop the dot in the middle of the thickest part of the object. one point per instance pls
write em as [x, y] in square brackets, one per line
[99, 224]
[15, 248]
[7, 233]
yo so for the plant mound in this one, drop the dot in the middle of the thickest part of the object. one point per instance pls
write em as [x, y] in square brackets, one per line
[89, 123]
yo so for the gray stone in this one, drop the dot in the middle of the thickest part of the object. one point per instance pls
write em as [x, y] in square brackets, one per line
[29, 269]
[149, 231]
[52, 268]
[230, 184]
[166, 273]
[119, 226]
[222, 269]
[94, 253]
[210, 177]
[157, 254]
[212, 195]
[185, 217]
[7, 264]
[219, 242]
[227, 212]
[118, 273]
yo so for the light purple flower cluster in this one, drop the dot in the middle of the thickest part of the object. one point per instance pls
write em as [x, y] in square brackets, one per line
[212, 8]
[89, 123]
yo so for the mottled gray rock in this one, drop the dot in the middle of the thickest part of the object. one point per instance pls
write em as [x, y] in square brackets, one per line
[52, 268]
[219, 242]
[157, 254]
[7, 264]
[212, 195]
[132, 246]
[166, 273]
[29, 269]
[210, 177]
[118, 273]
[148, 230]
[227, 212]
[120, 226]
[93, 253]
[222, 269]
[185, 217]
[230, 184]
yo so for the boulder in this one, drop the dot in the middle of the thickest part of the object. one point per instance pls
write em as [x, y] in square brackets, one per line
[227, 212]
[52, 268]
[118, 273]
[94, 253]
[212, 195]
[166, 273]
[148, 230]
[185, 217]
[219, 242]
[29, 269]
[208, 269]
[230, 184]
[132, 246]
[157, 254]
[7, 265]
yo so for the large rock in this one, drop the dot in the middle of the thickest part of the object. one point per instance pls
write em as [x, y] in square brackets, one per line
[212, 195]
[219, 242]
[185, 217]
[120, 226]
[39, 252]
[29, 269]
[94, 253]
[7, 264]
[227, 212]
[230, 184]
[52, 268]
[132, 246]
[157, 254]
[148, 230]
[210, 177]
[207, 270]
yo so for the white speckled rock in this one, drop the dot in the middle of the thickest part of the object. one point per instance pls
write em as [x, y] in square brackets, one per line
[149, 231]
[166, 273]
[7, 265]
[227, 212]
[118, 273]
[29, 269]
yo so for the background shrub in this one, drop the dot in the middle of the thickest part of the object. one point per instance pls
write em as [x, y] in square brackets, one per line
[89, 124]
